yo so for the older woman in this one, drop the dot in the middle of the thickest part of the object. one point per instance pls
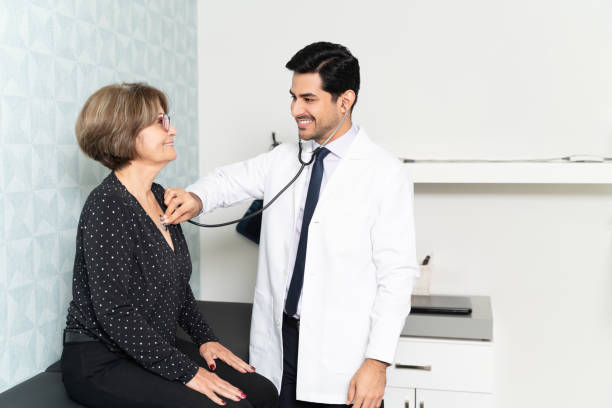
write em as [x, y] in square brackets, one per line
[131, 277]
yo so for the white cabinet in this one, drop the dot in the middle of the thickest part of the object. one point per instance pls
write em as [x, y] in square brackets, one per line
[400, 397]
[441, 374]
[451, 399]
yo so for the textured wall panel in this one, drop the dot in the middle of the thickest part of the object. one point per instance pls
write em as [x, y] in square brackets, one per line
[54, 55]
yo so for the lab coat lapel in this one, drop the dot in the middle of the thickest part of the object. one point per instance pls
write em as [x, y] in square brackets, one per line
[357, 151]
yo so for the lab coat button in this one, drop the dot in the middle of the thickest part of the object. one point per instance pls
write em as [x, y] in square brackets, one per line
[277, 322]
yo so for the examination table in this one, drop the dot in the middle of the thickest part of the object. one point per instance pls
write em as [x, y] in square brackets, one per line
[230, 321]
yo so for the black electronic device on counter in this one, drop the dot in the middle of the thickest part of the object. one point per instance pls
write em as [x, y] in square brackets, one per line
[441, 304]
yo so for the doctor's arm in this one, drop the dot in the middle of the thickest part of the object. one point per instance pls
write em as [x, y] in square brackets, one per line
[394, 255]
[223, 187]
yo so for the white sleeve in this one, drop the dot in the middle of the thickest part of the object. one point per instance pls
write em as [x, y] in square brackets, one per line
[231, 184]
[394, 254]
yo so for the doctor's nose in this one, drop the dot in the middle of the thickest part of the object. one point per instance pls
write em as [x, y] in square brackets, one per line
[297, 109]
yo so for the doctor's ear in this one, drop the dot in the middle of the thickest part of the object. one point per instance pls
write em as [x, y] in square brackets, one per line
[347, 99]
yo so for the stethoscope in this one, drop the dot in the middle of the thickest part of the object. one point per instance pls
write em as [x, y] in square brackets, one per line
[302, 162]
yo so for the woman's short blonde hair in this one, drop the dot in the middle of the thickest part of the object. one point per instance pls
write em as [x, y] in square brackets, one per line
[112, 118]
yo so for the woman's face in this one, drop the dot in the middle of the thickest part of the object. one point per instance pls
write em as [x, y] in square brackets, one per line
[155, 143]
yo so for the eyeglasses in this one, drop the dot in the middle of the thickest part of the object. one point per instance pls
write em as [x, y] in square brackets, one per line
[165, 121]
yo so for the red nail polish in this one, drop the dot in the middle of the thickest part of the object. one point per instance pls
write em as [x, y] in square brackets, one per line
[253, 368]
[243, 395]
[212, 366]
[223, 402]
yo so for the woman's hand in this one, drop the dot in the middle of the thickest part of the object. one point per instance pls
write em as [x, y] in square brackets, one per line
[181, 205]
[212, 350]
[210, 385]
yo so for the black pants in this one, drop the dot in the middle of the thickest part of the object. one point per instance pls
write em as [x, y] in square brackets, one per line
[97, 377]
[291, 337]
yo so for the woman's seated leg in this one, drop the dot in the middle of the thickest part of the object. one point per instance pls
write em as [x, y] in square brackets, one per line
[260, 391]
[97, 377]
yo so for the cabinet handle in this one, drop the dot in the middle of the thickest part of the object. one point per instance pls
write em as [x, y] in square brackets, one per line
[414, 367]
[407, 404]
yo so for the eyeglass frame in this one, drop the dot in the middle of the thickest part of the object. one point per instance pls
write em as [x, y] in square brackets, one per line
[165, 121]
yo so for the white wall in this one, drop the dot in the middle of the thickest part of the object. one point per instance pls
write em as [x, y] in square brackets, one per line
[450, 79]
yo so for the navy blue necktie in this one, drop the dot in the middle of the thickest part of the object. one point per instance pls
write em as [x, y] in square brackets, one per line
[297, 279]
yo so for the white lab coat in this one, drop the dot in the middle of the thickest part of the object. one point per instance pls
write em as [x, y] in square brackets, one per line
[360, 262]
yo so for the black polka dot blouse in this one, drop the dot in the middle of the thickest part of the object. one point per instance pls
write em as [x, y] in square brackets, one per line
[130, 290]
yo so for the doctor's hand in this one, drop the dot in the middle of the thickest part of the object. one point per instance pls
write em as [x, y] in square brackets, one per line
[212, 386]
[212, 350]
[367, 386]
[182, 206]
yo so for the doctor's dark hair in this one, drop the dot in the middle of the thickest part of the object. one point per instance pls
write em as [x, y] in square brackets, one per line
[337, 67]
[111, 119]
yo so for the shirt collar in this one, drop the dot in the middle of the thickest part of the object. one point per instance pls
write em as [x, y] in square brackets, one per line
[340, 146]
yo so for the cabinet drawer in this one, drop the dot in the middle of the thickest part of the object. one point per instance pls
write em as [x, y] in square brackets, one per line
[453, 365]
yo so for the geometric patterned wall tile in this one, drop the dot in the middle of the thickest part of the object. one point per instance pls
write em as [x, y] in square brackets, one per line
[69, 208]
[68, 166]
[67, 249]
[45, 212]
[14, 70]
[17, 168]
[106, 49]
[44, 171]
[106, 76]
[89, 170]
[65, 7]
[64, 31]
[46, 257]
[87, 42]
[46, 293]
[42, 73]
[3, 280]
[2, 222]
[153, 23]
[40, 30]
[138, 21]
[15, 33]
[65, 87]
[19, 264]
[65, 117]
[21, 310]
[42, 122]
[137, 51]
[48, 342]
[55, 53]
[122, 53]
[105, 16]
[16, 120]
[86, 10]
[18, 216]
[65, 292]
[85, 81]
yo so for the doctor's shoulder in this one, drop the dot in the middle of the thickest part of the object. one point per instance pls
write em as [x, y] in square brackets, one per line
[283, 155]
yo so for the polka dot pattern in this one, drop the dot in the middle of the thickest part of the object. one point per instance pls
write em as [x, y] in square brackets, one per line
[129, 289]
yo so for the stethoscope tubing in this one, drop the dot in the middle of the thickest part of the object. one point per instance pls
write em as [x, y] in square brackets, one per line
[303, 165]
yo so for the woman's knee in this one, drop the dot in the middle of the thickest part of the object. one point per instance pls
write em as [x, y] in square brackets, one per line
[266, 394]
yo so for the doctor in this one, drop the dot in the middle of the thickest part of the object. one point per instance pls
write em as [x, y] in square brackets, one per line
[337, 256]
